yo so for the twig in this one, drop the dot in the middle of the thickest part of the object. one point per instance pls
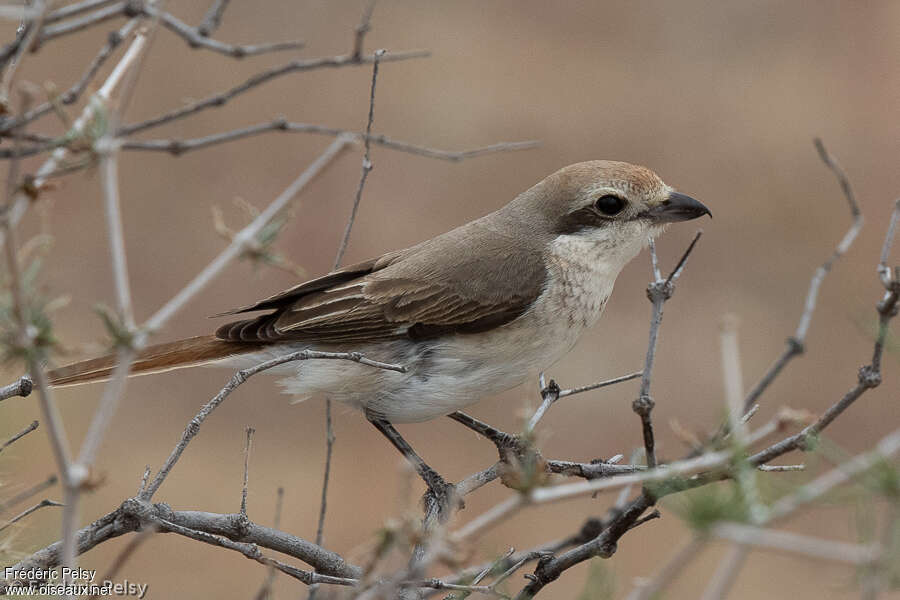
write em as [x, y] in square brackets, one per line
[249, 432]
[27, 512]
[39, 7]
[22, 388]
[884, 272]
[100, 15]
[795, 344]
[301, 65]
[543, 495]
[265, 589]
[658, 292]
[250, 551]
[366, 161]
[245, 236]
[64, 12]
[726, 573]
[127, 552]
[550, 393]
[196, 39]
[213, 17]
[734, 391]
[178, 147]
[645, 590]
[240, 377]
[22, 201]
[812, 547]
[887, 447]
[359, 34]
[28, 493]
[326, 476]
[600, 384]
[20, 435]
[134, 514]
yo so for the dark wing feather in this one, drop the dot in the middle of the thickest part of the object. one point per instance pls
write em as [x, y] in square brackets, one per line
[466, 281]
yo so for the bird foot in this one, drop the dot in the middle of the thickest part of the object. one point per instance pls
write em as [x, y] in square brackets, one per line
[441, 496]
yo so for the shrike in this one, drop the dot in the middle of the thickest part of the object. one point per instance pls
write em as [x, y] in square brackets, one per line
[471, 312]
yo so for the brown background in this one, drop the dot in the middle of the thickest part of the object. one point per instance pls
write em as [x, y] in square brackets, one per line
[721, 98]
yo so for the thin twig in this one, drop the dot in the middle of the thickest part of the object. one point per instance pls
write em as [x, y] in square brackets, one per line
[28, 493]
[359, 33]
[265, 589]
[366, 162]
[247, 447]
[178, 147]
[213, 17]
[647, 589]
[127, 552]
[812, 547]
[20, 435]
[196, 39]
[726, 573]
[245, 236]
[240, 377]
[27, 512]
[658, 291]
[795, 344]
[600, 384]
[296, 66]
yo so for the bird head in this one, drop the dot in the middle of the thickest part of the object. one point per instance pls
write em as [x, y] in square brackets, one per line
[614, 207]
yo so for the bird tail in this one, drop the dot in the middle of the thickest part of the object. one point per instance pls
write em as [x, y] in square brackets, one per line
[188, 352]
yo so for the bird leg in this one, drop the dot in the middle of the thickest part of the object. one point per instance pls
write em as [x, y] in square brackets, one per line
[440, 493]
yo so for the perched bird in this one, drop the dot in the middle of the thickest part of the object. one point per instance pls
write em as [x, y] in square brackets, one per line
[471, 312]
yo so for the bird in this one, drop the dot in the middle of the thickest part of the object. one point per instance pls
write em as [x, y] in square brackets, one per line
[472, 312]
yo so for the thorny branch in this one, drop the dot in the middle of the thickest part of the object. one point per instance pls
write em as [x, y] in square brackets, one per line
[658, 292]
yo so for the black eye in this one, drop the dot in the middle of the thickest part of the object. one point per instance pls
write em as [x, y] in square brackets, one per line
[609, 205]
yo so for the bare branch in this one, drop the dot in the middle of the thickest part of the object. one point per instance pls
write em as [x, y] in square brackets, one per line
[127, 552]
[359, 34]
[244, 236]
[196, 39]
[296, 66]
[27, 512]
[884, 272]
[178, 147]
[134, 514]
[812, 547]
[28, 493]
[600, 384]
[249, 432]
[366, 161]
[20, 435]
[658, 292]
[213, 17]
[795, 344]
[726, 573]
[22, 388]
[645, 590]
[240, 377]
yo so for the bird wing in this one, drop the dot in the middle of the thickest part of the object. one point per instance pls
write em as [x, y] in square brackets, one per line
[466, 281]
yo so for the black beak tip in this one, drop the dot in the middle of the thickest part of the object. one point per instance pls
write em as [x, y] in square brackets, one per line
[686, 207]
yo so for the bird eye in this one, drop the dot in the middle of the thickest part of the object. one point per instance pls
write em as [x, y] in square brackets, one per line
[609, 205]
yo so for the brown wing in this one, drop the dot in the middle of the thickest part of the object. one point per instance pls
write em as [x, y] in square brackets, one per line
[465, 281]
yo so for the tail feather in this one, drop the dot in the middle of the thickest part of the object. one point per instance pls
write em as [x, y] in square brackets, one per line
[188, 352]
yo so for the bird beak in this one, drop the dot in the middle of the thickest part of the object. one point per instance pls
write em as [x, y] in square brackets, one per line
[677, 207]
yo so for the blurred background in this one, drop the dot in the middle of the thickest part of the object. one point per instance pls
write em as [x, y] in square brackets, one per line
[722, 99]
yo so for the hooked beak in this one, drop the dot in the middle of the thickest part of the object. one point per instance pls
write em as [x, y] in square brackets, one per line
[678, 207]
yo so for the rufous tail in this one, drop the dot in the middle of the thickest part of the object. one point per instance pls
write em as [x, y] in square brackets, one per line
[188, 352]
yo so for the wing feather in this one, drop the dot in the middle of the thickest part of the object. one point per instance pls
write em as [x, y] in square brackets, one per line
[468, 280]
